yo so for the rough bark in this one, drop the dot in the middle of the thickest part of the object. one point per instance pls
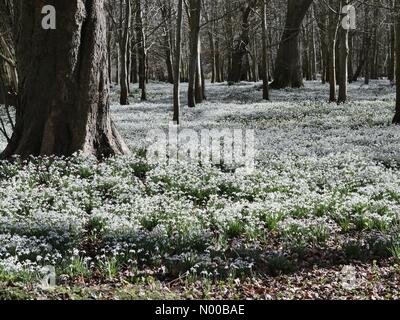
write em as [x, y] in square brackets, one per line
[288, 70]
[241, 43]
[63, 89]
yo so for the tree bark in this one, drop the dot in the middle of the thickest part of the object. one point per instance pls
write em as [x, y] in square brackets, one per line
[166, 14]
[240, 45]
[392, 51]
[134, 64]
[194, 26]
[288, 70]
[343, 58]
[63, 89]
[264, 50]
[199, 82]
[141, 50]
[178, 50]
[396, 119]
[123, 49]
[332, 36]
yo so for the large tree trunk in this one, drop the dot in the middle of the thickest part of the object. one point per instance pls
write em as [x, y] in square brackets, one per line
[63, 89]
[240, 46]
[396, 118]
[288, 70]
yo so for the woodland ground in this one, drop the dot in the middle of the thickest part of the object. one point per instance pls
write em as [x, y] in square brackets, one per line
[317, 218]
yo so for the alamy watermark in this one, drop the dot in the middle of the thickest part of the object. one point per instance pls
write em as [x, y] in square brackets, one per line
[349, 21]
[48, 281]
[349, 278]
[231, 147]
[49, 19]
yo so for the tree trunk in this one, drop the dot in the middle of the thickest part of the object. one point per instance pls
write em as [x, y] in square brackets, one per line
[218, 66]
[134, 66]
[313, 49]
[109, 55]
[332, 36]
[213, 57]
[343, 60]
[123, 49]
[396, 119]
[199, 83]
[194, 24]
[141, 43]
[264, 50]
[166, 15]
[178, 49]
[288, 70]
[64, 94]
[392, 54]
[351, 57]
[117, 66]
[240, 46]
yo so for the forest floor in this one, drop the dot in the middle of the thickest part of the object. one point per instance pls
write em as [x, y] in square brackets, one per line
[318, 217]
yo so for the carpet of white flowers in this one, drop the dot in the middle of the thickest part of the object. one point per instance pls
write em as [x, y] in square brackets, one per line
[325, 193]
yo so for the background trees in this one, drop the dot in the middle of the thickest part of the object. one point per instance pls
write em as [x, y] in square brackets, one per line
[223, 40]
[281, 42]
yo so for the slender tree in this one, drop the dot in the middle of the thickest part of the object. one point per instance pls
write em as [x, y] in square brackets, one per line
[194, 11]
[333, 28]
[343, 60]
[264, 50]
[123, 49]
[177, 66]
[396, 119]
[141, 49]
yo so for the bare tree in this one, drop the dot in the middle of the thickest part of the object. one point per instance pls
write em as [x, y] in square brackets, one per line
[264, 50]
[396, 119]
[123, 49]
[178, 63]
[343, 60]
